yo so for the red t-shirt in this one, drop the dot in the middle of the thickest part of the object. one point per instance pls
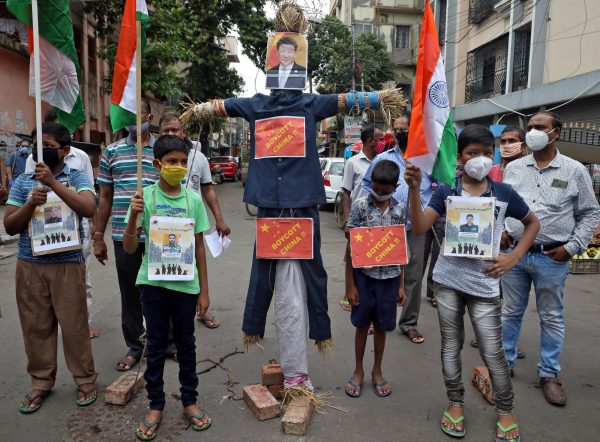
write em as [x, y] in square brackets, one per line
[496, 174]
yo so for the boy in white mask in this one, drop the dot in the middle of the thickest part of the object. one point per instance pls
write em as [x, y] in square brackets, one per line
[512, 147]
[466, 282]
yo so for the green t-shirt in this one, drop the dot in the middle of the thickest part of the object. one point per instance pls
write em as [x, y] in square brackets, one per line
[186, 205]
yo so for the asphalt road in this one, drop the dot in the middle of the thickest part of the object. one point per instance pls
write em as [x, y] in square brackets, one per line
[412, 412]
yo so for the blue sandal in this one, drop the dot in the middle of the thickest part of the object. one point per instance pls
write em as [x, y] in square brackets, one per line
[377, 387]
[353, 385]
[453, 431]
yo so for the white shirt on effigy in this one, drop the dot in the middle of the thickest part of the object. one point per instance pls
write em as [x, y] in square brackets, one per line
[284, 73]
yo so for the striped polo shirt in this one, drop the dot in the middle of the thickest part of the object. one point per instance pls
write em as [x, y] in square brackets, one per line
[118, 169]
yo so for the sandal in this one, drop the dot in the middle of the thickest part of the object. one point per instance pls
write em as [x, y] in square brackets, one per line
[26, 409]
[377, 387]
[453, 431]
[345, 304]
[414, 336]
[209, 321]
[191, 416]
[353, 385]
[505, 430]
[143, 435]
[433, 302]
[127, 362]
[86, 401]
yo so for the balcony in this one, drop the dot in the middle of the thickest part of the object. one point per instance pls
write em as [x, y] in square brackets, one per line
[479, 10]
[415, 6]
[486, 71]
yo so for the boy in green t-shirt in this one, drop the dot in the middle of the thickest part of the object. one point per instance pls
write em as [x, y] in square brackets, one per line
[167, 294]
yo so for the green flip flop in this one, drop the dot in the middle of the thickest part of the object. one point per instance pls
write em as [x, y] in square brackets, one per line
[505, 430]
[141, 435]
[453, 431]
[85, 402]
[28, 410]
[191, 416]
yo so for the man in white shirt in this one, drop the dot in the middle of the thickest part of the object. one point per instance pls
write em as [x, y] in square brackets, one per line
[78, 159]
[199, 179]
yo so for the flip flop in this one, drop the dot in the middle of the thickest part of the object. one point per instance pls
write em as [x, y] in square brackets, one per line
[124, 361]
[28, 410]
[209, 321]
[345, 304]
[414, 336]
[190, 417]
[353, 385]
[379, 386]
[85, 402]
[505, 430]
[453, 431]
[141, 435]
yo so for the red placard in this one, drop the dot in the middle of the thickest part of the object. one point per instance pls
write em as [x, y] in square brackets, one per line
[279, 137]
[379, 246]
[284, 238]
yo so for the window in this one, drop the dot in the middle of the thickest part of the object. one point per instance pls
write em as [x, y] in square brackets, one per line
[361, 28]
[402, 37]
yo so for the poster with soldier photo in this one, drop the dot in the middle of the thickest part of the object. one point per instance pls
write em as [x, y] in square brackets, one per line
[171, 249]
[54, 227]
[469, 227]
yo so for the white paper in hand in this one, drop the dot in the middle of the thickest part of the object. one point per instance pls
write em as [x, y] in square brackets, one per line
[213, 241]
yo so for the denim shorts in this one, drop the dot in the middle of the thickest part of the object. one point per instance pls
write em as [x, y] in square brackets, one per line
[377, 301]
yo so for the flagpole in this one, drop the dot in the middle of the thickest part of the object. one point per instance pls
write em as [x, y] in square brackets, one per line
[37, 79]
[138, 102]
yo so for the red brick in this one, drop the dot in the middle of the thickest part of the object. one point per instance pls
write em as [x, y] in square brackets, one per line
[272, 375]
[261, 402]
[276, 391]
[297, 416]
[481, 381]
[121, 391]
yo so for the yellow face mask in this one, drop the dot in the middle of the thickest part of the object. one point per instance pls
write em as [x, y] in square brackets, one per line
[172, 174]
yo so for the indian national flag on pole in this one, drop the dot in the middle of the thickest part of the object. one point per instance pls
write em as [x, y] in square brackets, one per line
[122, 106]
[58, 58]
[431, 141]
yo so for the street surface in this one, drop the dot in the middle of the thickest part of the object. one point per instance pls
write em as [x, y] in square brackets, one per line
[411, 413]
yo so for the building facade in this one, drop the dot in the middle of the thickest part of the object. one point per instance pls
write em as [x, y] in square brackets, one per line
[506, 59]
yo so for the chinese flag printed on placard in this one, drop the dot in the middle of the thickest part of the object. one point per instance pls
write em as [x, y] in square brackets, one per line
[378, 246]
[284, 238]
[279, 137]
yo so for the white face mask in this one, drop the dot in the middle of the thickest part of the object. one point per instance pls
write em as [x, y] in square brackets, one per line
[381, 198]
[478, 168]
[537, 139]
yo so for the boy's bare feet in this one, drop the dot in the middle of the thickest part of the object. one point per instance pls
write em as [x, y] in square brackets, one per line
[149, 425]
[456, 412]
[354, 384]
[507, 421]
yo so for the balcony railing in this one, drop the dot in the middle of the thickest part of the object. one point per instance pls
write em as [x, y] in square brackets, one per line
[580, 136]
[479, 10]
[486, 71]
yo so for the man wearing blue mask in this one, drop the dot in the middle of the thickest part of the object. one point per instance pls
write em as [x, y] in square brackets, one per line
[559, 191]
[15, 163]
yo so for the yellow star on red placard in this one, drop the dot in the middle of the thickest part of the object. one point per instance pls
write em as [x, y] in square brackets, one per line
[264, 228]
[358, 237]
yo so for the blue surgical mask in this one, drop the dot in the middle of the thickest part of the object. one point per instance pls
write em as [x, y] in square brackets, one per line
[381, 198]
[24, 150]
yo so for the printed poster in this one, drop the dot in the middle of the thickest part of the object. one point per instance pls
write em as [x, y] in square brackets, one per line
[279, 137]
[469, 227]
[54, 227]
[287, 58]
[284, 238]
[378, 246]
[352, 128]
[171, 249]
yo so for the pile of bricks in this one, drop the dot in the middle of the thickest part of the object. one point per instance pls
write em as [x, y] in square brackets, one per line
[264, 401]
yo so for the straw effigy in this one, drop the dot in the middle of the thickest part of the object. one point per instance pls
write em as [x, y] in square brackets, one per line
[290, 18]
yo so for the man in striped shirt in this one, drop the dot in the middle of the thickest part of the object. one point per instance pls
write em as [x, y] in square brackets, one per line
[117, 178]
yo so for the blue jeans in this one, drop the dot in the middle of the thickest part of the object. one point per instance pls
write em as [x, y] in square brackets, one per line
[161, 308]
[548, 278]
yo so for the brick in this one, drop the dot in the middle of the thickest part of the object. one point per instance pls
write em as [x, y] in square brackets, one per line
[121, 391]
[297, 416]
[481, 381]
[276, 391]
[272, 375]
[260, 400]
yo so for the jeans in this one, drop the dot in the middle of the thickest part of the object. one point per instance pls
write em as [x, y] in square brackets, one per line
[162, 307]
[548, 278]
[432, 247]
[413, 278]
[485, 314]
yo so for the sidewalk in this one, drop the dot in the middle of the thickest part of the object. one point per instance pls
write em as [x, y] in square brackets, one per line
[4, 237]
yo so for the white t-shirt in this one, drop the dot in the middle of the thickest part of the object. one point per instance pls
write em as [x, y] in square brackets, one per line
[76, 159]
[198, 169]
[354, 171]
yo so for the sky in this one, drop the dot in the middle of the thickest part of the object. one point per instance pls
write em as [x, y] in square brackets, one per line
[254, 78]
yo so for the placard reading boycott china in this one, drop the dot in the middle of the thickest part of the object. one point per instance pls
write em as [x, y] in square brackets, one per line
[279, 137]
[379, 246]
[284, 238]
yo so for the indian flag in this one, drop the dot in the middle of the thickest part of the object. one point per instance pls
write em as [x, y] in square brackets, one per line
[59, 66]
[122, 107]
[432, 144]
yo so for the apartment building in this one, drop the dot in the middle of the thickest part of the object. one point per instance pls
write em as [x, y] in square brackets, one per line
[506, 59]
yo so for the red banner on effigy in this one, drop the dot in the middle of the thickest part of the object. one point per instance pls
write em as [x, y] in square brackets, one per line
[379, 246]
[279, 137]
[284, 238]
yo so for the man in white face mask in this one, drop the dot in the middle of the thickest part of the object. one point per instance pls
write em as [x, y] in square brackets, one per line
[559, 191]
[512, 147]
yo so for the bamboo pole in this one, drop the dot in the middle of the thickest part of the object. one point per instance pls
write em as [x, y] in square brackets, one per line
[37, 79]
[138, 103]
